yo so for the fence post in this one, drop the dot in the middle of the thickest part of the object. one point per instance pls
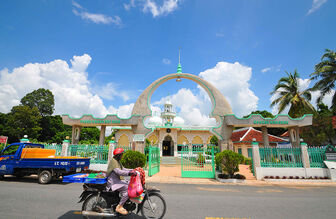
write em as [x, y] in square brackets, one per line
[150, 151]
[305, 155]
[112, 144]
[256, 159]
[65, 146]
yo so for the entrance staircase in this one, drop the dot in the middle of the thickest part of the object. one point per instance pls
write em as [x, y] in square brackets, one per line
[170, 161]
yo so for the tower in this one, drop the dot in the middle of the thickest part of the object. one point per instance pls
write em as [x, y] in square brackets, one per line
[168, 114]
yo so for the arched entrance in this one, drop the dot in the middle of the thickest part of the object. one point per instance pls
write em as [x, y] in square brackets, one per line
[168, 146]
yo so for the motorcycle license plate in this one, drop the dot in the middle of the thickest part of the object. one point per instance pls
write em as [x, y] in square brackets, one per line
[78, 170]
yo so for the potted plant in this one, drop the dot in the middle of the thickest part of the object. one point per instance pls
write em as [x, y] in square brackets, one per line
[200, 160]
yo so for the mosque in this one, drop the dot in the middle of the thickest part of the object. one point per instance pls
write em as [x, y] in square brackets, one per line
[170, 134]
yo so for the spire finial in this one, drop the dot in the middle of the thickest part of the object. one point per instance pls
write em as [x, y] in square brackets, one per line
[179, 67]
[179, 55]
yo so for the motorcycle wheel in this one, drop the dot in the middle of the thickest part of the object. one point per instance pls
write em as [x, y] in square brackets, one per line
[154, 206]
[91, 203]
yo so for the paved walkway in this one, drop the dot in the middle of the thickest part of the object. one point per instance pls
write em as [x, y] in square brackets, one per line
[172, 174]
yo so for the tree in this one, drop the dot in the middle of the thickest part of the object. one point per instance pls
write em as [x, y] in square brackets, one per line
[214, 140]
[89, 135]
[322, 131]
[53, 129]
[41, 98]
[290, 95]
[263, 113]
[325, 71]
[23, 120]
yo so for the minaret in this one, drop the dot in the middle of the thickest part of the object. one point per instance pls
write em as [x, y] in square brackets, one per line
[179, 67]
[168, 114]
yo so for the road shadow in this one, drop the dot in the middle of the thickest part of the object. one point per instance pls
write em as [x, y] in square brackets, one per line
[77, 214]
[30, 179]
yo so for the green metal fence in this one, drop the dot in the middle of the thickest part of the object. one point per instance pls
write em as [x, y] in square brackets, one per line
[316, 157]
[153, 160]
[126, 148]
[98, 154]
[57, 147]
[215, 147]
[196, 163]
[280, 157]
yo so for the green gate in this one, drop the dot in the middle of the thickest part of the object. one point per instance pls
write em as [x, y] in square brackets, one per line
[197, 163]
[153, 160]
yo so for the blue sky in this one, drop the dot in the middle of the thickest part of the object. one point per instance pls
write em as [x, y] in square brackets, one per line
[118, 48]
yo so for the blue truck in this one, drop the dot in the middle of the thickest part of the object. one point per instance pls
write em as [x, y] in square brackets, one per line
[24, 159]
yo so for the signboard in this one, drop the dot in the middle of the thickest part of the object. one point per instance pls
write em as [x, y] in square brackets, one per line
[106, 121]
[272, 122]
[3, 139]
[330, 153]
[138, 137]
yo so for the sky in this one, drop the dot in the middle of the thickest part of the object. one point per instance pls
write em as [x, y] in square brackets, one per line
[98, 56]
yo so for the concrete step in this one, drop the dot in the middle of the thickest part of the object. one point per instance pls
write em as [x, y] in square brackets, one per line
[170, 160]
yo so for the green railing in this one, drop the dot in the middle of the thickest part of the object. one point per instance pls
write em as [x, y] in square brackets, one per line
[153, 160]
[280, 157]
[181, 147]
[316, 157]
[197, 164]
[126, 148]
[57, 147]
[215, 147]
[98, 154]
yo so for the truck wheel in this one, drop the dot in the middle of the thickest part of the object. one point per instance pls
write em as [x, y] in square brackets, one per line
[2, 177]
[44, 177]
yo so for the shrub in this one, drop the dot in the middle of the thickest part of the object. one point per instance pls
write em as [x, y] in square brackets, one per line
[271, 177]
[277, 177]
[247, 161]
[266, 177]
[291, 177]
[284, 177]
[239, 176]
[133, 159]
[229, 161]
[223, 176]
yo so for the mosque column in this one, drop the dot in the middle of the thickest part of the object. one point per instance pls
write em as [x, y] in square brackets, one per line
[292, 136]
[297, 131]
[75, 134]
[265, 136]
[102, 134]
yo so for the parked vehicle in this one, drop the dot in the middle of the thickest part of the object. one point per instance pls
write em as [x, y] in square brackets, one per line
[23, 159]
[97, 202]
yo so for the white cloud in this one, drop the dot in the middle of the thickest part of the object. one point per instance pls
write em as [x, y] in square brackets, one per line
[124, 111]
[264, 70]
[166, 61]
[69, 84]
[110, 91]
[232, 79]
[272, 68]
[130, 5]
[167, 7]
[95, 18]
[316, 5]
[220, 34]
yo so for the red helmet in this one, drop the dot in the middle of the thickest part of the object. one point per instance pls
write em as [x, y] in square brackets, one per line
[118, 151]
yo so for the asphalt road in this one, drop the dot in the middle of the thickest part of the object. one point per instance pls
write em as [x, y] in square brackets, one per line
[26, 199]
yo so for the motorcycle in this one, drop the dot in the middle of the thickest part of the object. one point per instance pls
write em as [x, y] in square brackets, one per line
[97, 202]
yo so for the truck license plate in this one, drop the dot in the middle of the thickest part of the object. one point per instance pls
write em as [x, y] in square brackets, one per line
[78, 170]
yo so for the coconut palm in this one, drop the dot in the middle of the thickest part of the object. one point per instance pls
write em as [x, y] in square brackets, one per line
[325, 71]
[289, 94]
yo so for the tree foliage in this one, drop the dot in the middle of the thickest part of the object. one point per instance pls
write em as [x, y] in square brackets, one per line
[325, 73]
[289, 94]
[214, 140]
[23, 120]
[41, 98]
[89, 135]
[322, 131]
[229, 161]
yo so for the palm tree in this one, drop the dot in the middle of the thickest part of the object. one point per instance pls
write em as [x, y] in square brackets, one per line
[325, 71]
[290, 95]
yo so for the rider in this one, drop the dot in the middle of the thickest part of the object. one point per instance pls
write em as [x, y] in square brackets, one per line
[115, 181]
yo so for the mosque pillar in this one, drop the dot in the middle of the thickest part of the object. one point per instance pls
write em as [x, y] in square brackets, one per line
[75, 134]
[265, 136]
[102, 134]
